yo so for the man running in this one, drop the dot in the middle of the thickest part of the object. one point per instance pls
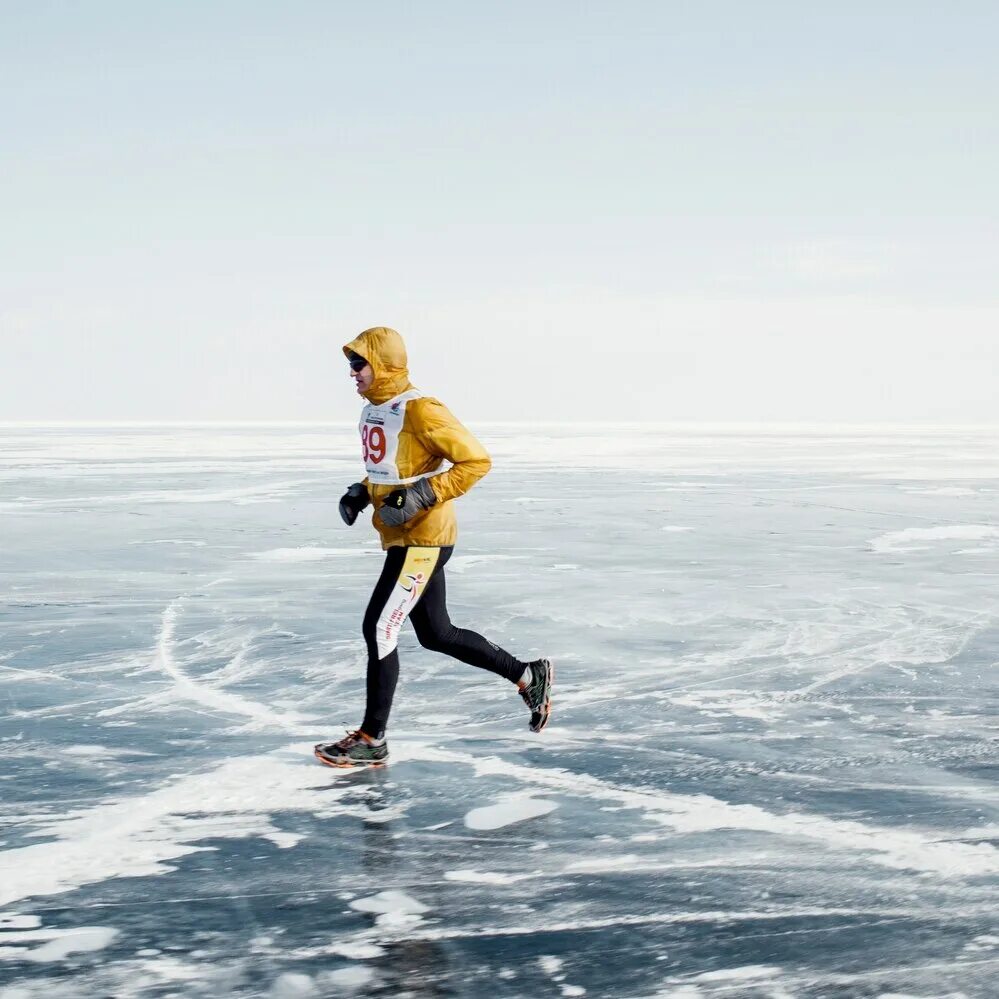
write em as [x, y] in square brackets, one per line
[418, 458]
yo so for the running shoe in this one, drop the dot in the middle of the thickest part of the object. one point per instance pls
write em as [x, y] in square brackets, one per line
[537, 694]
[354, 750]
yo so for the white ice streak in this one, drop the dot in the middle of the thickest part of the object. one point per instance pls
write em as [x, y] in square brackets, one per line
[896, 848]
[466, 876]
[942, 491]
[264, 492]
[621, 862]
[673, 918]
[140, 836]
[15, 921]
[724, 703]
[211, 697]
[102, 752]
[514, 808]
[172, 541]
[913, 539]
[309, 553]
[459, 563]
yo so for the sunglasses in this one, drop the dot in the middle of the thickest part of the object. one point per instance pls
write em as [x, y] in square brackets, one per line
[357, 364]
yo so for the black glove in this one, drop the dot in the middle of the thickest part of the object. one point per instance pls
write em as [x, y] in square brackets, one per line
[353, 501]
[404, 504]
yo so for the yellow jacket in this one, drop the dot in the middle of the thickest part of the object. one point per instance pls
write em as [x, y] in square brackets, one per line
[406, 436]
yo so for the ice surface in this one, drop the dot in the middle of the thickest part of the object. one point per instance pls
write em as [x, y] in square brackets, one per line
[770, 770]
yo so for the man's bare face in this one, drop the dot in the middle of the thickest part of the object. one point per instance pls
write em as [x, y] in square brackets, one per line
[363, 378]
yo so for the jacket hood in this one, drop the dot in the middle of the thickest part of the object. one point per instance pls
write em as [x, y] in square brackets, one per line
[384, 350]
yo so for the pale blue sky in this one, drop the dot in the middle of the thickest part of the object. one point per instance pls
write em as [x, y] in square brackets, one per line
[706, 211]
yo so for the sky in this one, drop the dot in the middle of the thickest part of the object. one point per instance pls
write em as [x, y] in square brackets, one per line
[639, 211]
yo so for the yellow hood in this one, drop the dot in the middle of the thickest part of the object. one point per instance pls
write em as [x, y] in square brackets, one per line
[384, 350]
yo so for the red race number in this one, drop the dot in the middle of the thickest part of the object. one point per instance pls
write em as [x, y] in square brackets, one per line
[373, 442]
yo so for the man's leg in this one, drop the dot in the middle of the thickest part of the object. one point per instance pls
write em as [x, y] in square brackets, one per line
[436, 632]
[405, 577]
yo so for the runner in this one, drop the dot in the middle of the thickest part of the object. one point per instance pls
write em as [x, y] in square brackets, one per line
[419, 458]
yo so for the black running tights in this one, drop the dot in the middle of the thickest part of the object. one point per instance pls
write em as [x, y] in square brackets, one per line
[412, 585]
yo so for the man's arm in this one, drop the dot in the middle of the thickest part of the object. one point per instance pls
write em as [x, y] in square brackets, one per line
[441, 433]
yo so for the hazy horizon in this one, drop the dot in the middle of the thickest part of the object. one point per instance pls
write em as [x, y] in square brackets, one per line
[720, 425]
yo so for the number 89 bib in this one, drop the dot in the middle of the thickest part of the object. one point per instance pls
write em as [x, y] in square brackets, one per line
[380, 426]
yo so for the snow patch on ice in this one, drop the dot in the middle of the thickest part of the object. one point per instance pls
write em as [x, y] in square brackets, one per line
[292, 985]
[989, 831]
[388, 901]
[676, 529]
[913, 539]
[394, 909]
[983, 942]
[349, 979]
[15, 921]
[482, 877]
[57, 945]
[743, 974]
[284, 840]
[360, 950]
[515, 808]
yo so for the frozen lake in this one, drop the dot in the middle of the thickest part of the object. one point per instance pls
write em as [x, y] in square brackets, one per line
[769, 773]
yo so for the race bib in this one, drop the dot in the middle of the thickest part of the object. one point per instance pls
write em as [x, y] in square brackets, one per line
[380, 427]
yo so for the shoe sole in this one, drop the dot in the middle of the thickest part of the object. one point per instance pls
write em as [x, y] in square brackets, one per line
[546, 713]
[347, 764]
